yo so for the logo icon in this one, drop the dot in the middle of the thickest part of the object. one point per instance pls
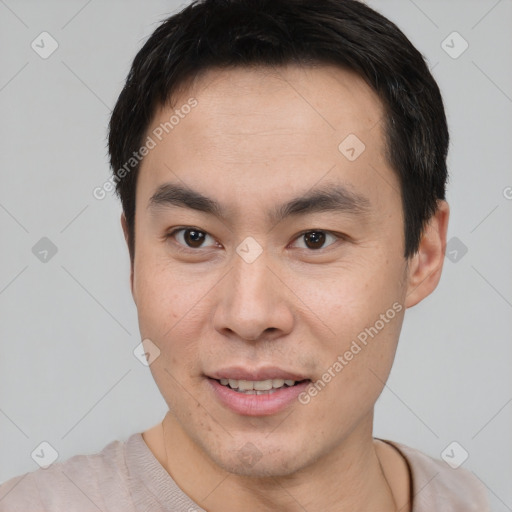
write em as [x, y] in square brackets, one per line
[44, 250]
[249, 250]
[146, 352]
[351, 147]
[454, 45]
[455, 249]
[249, 454]
[44, 455]
[44, 45]
[454, 455]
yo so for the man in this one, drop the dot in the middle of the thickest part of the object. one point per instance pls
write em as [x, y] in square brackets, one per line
[281, 166]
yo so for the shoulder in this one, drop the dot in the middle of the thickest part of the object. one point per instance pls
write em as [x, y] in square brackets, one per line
[437, 486]
[82, 482]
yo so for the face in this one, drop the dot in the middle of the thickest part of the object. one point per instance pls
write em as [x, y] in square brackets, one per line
[265, 251]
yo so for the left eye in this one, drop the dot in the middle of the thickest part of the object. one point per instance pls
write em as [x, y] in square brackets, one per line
[316, 239]
[191, 237]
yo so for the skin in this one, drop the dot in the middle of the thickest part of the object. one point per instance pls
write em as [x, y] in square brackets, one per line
[256, 139]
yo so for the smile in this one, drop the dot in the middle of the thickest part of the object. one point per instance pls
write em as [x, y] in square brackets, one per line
[258, 387]
[256, 397]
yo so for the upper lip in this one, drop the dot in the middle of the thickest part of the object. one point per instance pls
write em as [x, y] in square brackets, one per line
[256, 374]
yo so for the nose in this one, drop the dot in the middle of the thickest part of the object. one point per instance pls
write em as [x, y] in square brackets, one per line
[254, 303]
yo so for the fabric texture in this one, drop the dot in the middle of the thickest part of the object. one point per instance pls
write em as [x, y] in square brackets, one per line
[126, 477]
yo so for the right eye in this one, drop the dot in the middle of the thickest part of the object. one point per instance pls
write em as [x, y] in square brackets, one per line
[190, 237]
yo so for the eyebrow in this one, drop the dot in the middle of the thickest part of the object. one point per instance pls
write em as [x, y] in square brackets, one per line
[326, 198]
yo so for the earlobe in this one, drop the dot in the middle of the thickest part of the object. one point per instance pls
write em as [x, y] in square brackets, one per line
[426, 265]
[126, 233]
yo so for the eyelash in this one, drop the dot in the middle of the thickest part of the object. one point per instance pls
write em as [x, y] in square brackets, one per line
[337, 236]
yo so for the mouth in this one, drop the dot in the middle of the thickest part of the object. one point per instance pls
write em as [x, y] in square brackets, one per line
[256, 393]
[259, 387]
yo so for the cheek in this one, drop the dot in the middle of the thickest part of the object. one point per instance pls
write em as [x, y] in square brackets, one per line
[354, 368]
[359, 310]
[171, 306]
[348, 297]
[173, 312]
[170, 299]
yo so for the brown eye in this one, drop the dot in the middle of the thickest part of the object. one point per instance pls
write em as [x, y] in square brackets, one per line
[314, 239]
[191, 237]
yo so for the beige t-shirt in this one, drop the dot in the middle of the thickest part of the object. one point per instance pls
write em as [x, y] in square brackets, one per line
[126, 477]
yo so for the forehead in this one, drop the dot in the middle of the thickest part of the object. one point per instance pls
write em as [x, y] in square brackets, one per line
[263, 131]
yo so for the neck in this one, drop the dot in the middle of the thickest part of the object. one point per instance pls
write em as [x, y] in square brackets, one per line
[350, 477]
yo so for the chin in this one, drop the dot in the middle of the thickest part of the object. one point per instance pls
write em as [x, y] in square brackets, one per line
[260, 460]
[270, 468]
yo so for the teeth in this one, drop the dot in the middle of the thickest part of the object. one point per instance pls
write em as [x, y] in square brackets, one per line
[244, 385]
[263, 385]
[256, 387]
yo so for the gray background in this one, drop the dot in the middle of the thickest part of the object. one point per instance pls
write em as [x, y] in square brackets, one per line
[68, 325]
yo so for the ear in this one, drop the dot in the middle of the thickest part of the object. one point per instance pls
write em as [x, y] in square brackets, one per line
[424, 268]
[126, 232]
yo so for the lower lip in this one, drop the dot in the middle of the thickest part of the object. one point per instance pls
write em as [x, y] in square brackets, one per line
[257, 405]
